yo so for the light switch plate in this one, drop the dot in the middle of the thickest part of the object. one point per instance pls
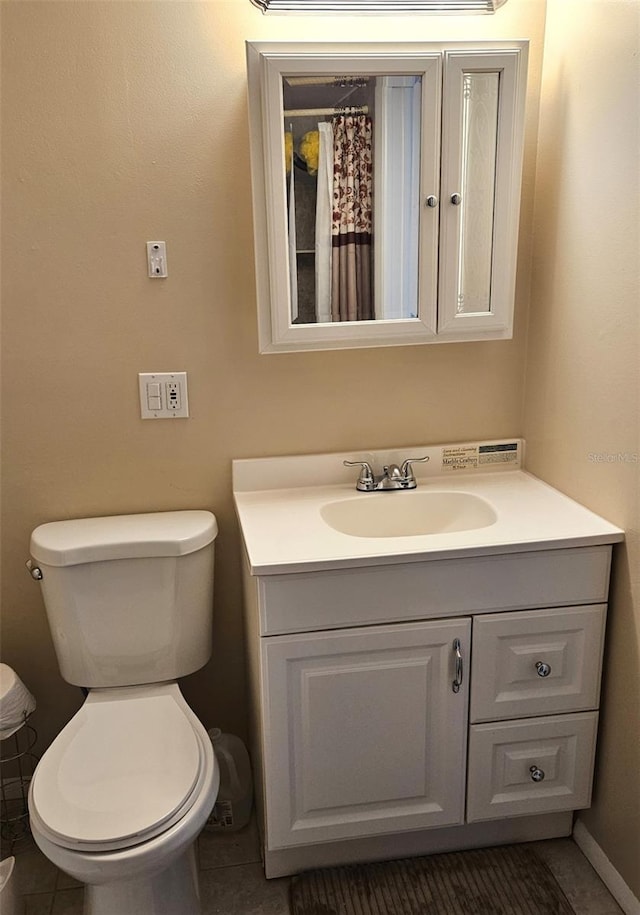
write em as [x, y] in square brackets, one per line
[157, 259]
[163, 395]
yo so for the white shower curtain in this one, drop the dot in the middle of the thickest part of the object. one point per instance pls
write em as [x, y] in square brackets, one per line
[324, 209]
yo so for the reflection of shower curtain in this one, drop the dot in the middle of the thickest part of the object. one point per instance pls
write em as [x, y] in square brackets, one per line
[324, 210]
[351, 298]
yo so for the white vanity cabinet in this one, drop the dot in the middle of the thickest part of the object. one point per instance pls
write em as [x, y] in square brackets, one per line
[460, 694]
[427, 685]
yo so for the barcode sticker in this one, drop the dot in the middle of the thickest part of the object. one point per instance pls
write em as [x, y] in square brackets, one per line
[505, 453]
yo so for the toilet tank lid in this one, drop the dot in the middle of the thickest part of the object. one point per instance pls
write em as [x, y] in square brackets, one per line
[177, 533]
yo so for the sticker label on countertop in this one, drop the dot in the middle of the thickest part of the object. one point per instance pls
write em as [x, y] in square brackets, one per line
[470, 457]
[463, 458]
[506, 453]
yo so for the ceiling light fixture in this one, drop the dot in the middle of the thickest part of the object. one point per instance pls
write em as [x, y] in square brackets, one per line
[379, 6]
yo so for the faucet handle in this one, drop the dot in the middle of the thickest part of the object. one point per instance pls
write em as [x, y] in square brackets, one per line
[366, 473]
[407, 471]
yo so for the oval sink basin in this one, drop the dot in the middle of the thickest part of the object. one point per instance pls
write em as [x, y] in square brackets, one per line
[408, 514]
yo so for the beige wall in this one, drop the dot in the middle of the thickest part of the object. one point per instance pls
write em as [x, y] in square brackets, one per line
[125, 122]
[582, 381]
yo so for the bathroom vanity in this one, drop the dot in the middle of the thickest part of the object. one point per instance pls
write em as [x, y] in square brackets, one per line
[420, 688]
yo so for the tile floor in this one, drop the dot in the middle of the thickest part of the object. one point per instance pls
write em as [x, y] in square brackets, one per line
[232, 881]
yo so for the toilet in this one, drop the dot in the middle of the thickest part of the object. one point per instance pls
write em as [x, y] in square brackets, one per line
[118, 799]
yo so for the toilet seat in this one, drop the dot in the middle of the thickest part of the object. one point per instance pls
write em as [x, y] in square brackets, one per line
[127, 767]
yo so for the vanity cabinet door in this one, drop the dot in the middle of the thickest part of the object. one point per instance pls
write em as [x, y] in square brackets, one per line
[364, 733]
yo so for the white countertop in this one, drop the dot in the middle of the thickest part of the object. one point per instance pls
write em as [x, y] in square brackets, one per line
[284, 532]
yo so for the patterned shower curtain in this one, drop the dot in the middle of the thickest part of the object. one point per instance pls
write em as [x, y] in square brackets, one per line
[351, 292]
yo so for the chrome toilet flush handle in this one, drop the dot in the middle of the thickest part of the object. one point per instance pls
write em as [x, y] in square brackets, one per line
[34, 571]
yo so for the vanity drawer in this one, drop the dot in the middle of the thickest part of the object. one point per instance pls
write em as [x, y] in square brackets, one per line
[536, 662]
[396, 592]
[540, 765]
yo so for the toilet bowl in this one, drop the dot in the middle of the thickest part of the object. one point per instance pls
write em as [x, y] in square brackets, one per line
[120, 796]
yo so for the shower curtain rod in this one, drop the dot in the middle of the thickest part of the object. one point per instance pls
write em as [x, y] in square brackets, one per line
[323, 112]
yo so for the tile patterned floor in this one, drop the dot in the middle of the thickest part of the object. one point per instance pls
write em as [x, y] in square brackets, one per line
[232, 881]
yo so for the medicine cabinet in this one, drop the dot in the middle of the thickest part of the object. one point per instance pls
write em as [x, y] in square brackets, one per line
[386, 191]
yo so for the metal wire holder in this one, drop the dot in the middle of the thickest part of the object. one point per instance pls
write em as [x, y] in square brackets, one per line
[17, 765]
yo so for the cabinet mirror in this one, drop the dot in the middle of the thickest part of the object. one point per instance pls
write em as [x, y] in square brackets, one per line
[386, 184]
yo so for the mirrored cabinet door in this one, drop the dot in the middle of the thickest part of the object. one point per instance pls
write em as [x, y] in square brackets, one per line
[386, 185]
[349, 148]
[480, 192]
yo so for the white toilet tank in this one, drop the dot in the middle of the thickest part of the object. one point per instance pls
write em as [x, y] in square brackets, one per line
[129, 598]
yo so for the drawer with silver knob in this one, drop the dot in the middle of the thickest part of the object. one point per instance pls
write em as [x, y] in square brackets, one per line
[541, 765]
[536, 662]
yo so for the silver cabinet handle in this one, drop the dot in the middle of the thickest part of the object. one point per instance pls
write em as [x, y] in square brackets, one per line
[432, 200]
[537, 775]
[457, 683]
[456, 199]
[543, 669]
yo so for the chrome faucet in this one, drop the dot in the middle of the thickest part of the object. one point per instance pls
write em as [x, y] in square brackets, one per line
[391, 478]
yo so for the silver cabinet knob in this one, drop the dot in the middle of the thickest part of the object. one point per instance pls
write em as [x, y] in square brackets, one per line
[537, 775]
[432, 201]
[543, 669]
[456, 199]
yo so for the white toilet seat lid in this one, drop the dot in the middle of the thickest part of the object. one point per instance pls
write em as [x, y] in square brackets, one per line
[122, 771]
